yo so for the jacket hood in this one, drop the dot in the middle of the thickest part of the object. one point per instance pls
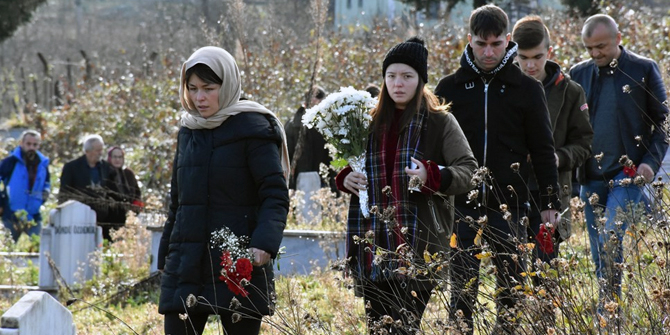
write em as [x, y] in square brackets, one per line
[554, 76]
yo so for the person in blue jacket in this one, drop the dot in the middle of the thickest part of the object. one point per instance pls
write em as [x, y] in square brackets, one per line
[626, 95]
[25, 186]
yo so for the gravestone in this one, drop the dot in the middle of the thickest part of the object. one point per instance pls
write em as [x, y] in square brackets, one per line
[70, 239]
[309, 183]
[154, 224]
[37, 313]
[309, 250]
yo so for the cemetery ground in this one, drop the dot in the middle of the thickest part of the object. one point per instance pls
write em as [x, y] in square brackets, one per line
[121, 300]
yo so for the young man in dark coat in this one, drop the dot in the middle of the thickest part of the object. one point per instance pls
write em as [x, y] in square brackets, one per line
[504, 116]
[625, 93]
[569, 116]
[307, 151]
[312, 151]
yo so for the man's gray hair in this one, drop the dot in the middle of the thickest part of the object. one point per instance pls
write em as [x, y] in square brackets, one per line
[592, 22]
[30, 132]
[90, 140]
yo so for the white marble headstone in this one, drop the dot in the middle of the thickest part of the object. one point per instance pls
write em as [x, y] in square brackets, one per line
[70, 239]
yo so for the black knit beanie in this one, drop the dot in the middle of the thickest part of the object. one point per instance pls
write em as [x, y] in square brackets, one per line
[411, 52]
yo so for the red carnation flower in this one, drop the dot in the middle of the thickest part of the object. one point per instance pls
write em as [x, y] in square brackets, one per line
[233, 276]
[630, 171]
[244, 268]
[545, 241]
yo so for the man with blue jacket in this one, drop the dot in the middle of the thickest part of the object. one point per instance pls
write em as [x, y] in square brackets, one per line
[626, 97]
[25, 186]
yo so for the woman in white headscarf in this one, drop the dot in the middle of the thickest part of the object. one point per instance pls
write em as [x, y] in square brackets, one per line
[229, 172]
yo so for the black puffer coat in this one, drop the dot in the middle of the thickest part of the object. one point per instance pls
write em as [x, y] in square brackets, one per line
[227, 176]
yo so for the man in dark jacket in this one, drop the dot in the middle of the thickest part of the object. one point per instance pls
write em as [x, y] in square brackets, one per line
[625, 93]
[504, 116]
[84, 178]
[307, 151]
[568, 113]
[308, 154]
[26, 185]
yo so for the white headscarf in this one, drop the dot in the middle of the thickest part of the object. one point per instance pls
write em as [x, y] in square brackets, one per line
[224, 65]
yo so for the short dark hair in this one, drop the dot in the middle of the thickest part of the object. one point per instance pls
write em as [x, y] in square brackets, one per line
[530, 32]
[204, 72]
[373, 90]
[488, 20]
[317, 92]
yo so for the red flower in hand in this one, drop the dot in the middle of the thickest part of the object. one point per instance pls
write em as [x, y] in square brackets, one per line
[630, 171]
[545, 240]
[226, 260]
[234, 275]
[244, 268]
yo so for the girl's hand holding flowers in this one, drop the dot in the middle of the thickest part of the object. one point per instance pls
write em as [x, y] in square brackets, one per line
[355, 181]
[418, 174]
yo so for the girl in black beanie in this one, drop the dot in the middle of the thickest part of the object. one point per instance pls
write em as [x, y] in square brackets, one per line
[417, 158]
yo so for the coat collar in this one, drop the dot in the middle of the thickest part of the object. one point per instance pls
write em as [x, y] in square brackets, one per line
[623, 59]
[19, 154]
[505, 71]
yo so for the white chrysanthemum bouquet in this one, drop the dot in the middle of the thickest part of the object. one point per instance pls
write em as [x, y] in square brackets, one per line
[343, 118]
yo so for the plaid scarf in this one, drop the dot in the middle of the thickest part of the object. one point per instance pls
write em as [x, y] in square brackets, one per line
[391, 211]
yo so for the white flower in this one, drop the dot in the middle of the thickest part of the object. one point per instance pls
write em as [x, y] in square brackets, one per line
[343, 119]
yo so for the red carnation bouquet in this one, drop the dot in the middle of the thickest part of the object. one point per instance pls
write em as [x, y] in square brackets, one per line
[236, 260]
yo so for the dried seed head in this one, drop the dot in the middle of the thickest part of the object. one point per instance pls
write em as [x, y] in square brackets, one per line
[370, 234]
[235, 304]
[191, 301]
[599, 157]
[515, 167]
[614, 63]
[611, 306]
